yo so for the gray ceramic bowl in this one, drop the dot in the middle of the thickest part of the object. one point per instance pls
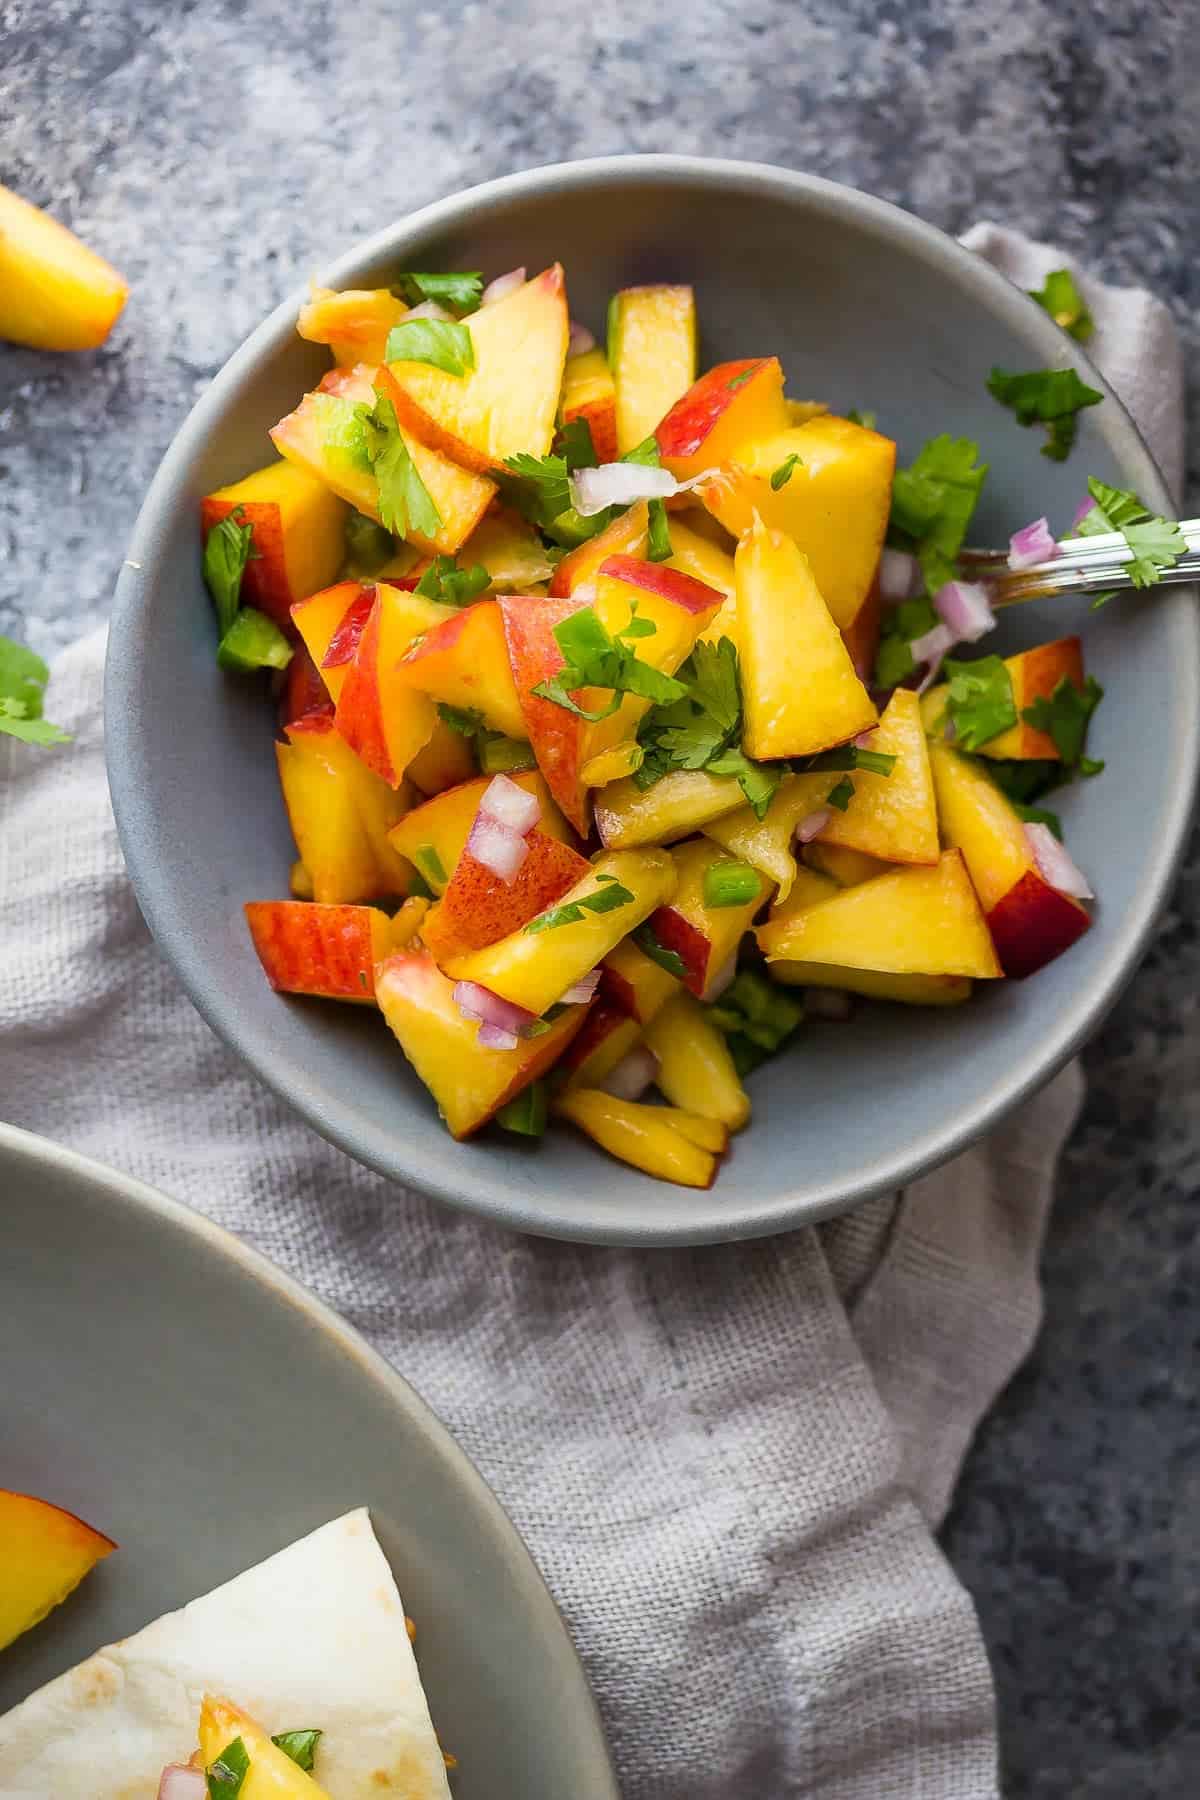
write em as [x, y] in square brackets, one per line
[868, 307]
[178, 1391]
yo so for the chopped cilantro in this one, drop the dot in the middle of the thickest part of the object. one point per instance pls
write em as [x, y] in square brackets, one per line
[1050, 397]
[932, 504]
[301, 1746]
[758, 781]
[368, 545]
[228, 547]
[893, 660]
[756, 1017]
[405, 503]
[735, 381]
[575, 445]
[606, 898]
[440, 342]
[226, 1776]
[526, 1115]
[23, 678]
[1039, 815]
[979, 700]
[1091, 765]
[459, 292]
[1065, 304]
[698, 730]
[647, 942]
[1157, 544]
[646, 456]
[594, 658]
[841, 795]
[443, 580]
[1026, 779]
[866, 419]
[1064, 717]
[463, 719]
[783, 474]
[850, 756]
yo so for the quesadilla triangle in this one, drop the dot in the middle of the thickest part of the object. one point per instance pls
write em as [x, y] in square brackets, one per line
[313, 1639]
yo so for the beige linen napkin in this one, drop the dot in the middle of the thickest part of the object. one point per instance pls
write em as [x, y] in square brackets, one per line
[728, 1462]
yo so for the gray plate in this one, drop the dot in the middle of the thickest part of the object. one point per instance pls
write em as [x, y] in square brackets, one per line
[180, 1393]
[868, 307]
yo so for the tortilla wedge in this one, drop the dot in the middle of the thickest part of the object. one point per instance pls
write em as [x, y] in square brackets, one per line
[313, 1637]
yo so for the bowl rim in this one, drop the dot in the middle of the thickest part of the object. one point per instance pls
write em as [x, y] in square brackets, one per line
[114, 1189]
[471, 1189]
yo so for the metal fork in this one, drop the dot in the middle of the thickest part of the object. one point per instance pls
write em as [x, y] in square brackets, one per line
[1084, 565]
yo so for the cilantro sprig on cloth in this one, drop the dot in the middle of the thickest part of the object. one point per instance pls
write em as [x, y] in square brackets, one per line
[23, 678]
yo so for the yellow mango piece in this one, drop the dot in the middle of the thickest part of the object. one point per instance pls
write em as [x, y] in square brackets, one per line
[508, 402]
[55, 293]
[683, 801]
[847, 867]
[892, 817]
[534, 968]
[272, 1775]
[834, 504]
[354, 322]
[323, 436]
[45, 1552]
[646, 1137]
[695, 1069]
[652, 354]
[799, 689]
[766, 843]
[469, 1082]
[909, 990]
[981, 822]
[915, 921]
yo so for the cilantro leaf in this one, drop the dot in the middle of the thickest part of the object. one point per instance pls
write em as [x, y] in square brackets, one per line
[23, 678]
[226, 1776]
[893, 661]
[758, 781]
[1065, 716]
[575, 445]
[1156, 543]
[439, 342]
[979, 700]
[647, 942]
[606, 898]
[783, 474]
[1065, 304]
[463, 719]
[405, 503]
[228, 547]
[1050, 397]
[1025, 780]
[301, 1746]
[866, 419]
[443, 580]
[540, 491]
[841, 795]
[459, 291]
[850, 756]
[1039, 815]
[932, 503]
[593, 658]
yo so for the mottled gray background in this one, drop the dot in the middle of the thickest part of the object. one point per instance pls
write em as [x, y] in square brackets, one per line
[216, 152]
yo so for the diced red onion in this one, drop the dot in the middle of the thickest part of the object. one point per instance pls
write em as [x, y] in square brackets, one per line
[963, 608]
[1086, 505]
[632, 1075]
[930, 650]
[580, 339]
[723, 978]
[899, 576]
[498, 847]
[429, 309]
[1054, 864]
[510, 804]
[477, 1002]
[1033, 544]
[581, 991]
[180, 1781]
[828, 1003]
[619, 484]
[808, 828]
[864, 739]
[493, 1037]
[502, 287]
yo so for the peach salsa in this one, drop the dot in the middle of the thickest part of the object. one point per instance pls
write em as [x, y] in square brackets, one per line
[622, 714]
